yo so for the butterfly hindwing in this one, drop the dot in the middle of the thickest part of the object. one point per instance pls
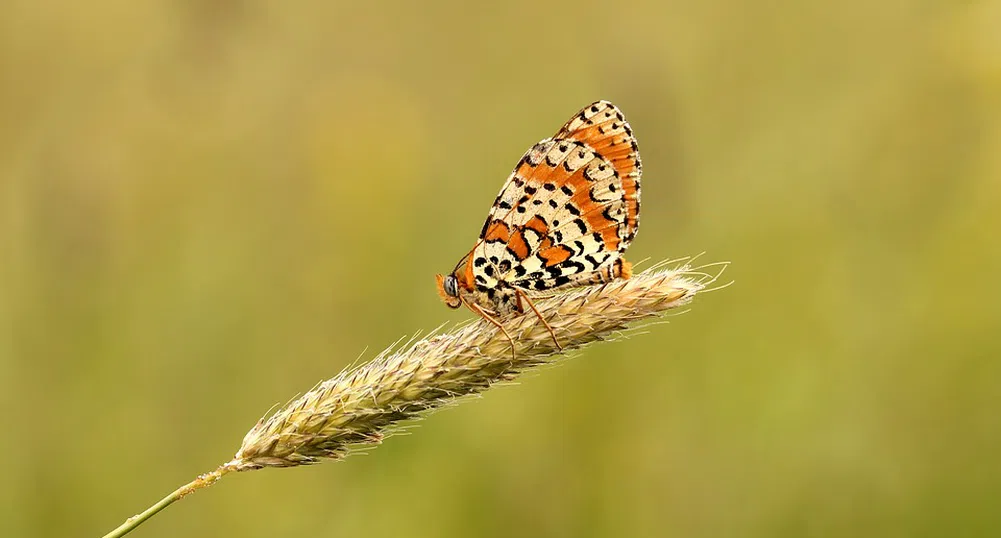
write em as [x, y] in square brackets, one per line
[603, 127]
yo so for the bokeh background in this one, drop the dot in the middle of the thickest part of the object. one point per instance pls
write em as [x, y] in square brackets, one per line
[208, 206]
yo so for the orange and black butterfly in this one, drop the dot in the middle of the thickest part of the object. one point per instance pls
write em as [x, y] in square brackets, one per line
[563, 218]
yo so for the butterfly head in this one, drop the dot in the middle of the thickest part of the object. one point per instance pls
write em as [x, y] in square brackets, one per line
[460, 280]
[448, 288]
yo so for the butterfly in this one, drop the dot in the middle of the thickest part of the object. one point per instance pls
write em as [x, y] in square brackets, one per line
[563, 219]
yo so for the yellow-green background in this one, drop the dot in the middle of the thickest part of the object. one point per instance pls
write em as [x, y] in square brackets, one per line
[208, 206]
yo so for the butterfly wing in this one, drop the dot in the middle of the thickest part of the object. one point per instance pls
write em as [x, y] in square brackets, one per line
[568, 211]
[603, 127]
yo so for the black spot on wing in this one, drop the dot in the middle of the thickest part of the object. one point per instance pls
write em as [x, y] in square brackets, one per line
[597, 239]
[574, 266]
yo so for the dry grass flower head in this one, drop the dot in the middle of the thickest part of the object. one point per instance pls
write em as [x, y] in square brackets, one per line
[363, 405]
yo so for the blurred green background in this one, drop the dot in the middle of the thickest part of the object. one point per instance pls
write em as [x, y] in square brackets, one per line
[208, 206]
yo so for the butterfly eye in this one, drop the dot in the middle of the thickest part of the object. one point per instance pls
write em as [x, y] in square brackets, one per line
[451, 286]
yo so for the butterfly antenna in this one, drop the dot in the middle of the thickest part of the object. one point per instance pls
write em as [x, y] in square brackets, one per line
[466, 255]
[464, 258]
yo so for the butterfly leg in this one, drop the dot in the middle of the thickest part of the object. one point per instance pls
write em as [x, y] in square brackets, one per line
[522, 295]
[485, 315]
